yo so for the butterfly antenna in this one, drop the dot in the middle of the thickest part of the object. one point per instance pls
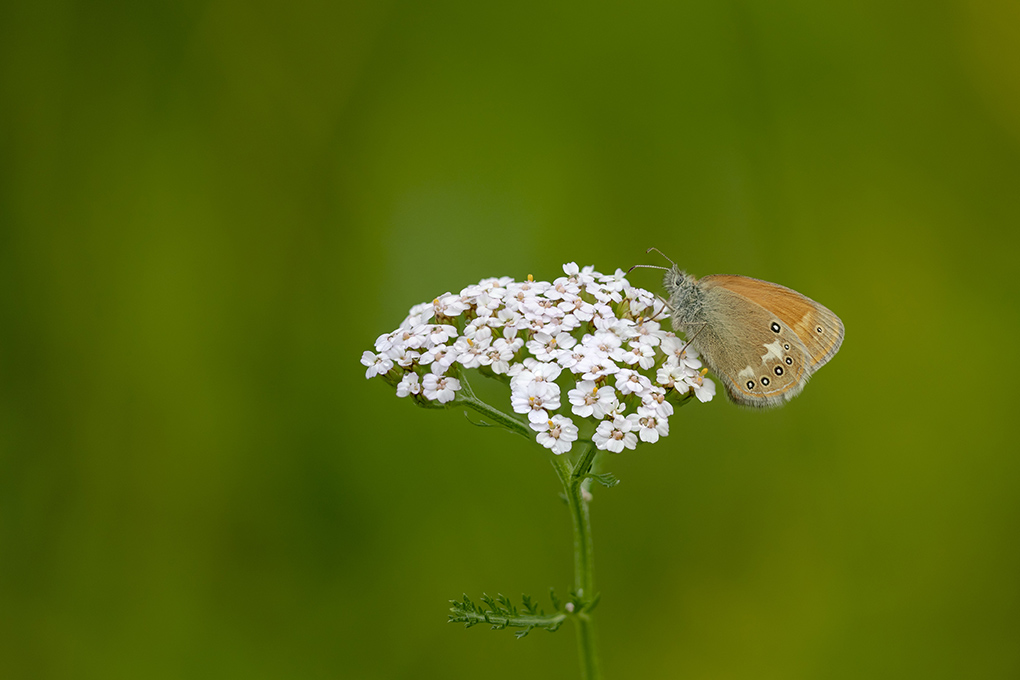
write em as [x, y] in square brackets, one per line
[647, 266]
[660, 253]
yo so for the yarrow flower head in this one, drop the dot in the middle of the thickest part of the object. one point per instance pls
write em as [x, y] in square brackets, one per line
[585, 346]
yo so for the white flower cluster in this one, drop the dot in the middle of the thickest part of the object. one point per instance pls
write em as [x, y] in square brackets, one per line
[594, 336]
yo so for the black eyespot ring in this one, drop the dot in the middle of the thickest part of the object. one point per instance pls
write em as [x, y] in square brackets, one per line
[789, 361]
[750, 384]
[786, 347]
[819, 329]
[764, 381]
[778, 370]
[776, 327]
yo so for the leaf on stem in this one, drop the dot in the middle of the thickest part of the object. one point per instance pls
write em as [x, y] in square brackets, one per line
[606, 479]
[500, 612]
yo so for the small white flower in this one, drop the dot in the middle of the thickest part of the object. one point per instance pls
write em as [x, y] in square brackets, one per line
[680, 374]
[616, 281]
[472, 355]
[595, 365]
[378, 364]
[641, 300]
[509, 321]
[496, 287]
[441, 358]
[571, 358]
[603, 294]
[615, 435]
[469, 294]
[498, 356]
[607, 342]
[595, 370]
[449, 305]
[419, 314]
[618, 409]
[535, 399]
[541, 311]
[584, 277]
[530, 287]
[642, 355]
[631, 382]
[537, 371]
[664, 376]
[577, 308]
[408, 385]
[441, 388]
[547, 347]
[676, 350]
[415, 337]
[568, 323]
[704, 389]
[486, 304]
[648, 333]
[439, 333]
[603, 312]
[655, 402]
[556, 433]
[471, 348]
[385, 342]
[587, 399]
[625, 329]
[476, 325]
[604, 320]
[649, 427]
[404, 357]
[563, 288]
[518, 294]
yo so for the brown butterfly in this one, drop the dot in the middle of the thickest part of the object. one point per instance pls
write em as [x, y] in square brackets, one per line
[762, 340]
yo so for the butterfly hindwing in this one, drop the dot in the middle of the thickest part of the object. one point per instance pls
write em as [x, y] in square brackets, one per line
[817, 328]
[759, 359]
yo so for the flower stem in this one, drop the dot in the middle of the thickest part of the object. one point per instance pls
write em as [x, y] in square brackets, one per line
[572, 479]
[466, 397]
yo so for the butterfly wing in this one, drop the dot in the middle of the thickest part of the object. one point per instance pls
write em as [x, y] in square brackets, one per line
[757, 365]
[818, 329]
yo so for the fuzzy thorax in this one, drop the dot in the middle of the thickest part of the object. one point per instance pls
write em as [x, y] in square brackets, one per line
[686, 299]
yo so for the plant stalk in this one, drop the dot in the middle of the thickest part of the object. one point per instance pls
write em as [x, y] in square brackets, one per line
[467, 398]
[572, 479]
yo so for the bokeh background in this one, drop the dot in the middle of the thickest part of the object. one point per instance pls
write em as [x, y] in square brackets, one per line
[208, 210]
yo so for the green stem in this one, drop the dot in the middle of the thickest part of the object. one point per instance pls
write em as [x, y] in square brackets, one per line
[466, 397]
[584, 574]
[572, 478]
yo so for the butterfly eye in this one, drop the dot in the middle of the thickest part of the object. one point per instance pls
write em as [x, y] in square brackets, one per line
[779, 370]
[789, 361]
[764, 381]
[750, 384]
[776, 327]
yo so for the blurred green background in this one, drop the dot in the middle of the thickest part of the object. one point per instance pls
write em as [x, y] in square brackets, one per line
[208, 210]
